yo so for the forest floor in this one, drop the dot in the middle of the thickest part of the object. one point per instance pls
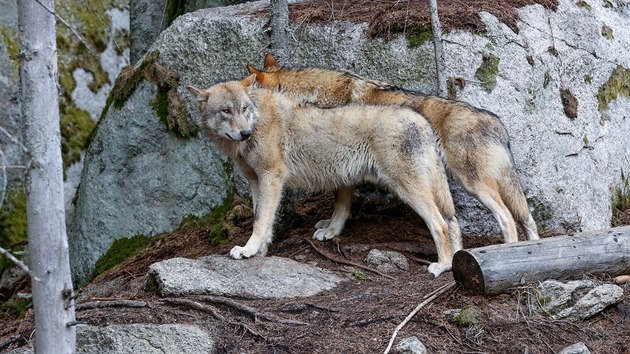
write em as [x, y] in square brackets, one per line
[358, 316]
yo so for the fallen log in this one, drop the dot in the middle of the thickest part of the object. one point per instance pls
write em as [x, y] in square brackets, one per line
[495, 269]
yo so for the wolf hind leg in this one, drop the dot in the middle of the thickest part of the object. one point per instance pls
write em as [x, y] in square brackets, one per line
[419, 197]
[328, 229]
[488, 194]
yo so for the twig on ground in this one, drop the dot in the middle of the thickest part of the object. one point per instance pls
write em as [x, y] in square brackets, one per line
[436, 294]
[196, 306]
[114, 303]
[300, 307]
[341, 261]
[9, 341]
[18, 263]
[211, 310]
[438, 290]
[419, 260]
[247, 309]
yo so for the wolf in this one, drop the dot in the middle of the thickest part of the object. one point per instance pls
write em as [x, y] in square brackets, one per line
[474, 143]
[280, 144]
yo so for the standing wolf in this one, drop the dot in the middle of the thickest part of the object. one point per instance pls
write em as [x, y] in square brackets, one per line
[474, 143]
[280, 144]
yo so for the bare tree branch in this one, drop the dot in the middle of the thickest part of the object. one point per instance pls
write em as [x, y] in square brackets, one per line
[18, 263]
[60, 19]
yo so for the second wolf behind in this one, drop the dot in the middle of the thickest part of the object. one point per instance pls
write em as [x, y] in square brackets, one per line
[474, 142]
[280, 144]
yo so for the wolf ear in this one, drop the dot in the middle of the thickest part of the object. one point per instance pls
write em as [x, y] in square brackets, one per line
[195, 91]
[252, 69]
[248, 81]
[270, 62]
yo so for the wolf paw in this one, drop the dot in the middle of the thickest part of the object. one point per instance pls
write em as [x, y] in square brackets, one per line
[438, 268]
[325, 234]
[322, 224]
[239, 252]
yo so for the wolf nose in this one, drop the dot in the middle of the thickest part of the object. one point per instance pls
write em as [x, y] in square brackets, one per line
[245, 134]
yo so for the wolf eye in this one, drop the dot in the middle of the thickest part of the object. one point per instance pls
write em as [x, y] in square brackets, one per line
[226, 111]
[244, 108]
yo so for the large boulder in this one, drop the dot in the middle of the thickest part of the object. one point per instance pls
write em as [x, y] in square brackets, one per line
[569, 156]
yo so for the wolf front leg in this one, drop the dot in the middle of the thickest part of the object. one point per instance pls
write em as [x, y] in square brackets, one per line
[327, 229]
[269, 195]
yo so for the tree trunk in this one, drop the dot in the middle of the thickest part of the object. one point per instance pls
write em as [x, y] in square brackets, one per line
[439, 51]
[279, 12]
[494, 269]
[47, 241]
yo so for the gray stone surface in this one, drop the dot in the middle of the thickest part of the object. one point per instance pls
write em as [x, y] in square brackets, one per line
[147, 20]
[139, 338]
[577, 300]
[577, 348]
[387, 261]
[411, 345]
[257, 277]
[594, 302]
[140, 179]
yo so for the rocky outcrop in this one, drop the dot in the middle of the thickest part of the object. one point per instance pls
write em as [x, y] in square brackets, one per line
[568, 165]
[579, 299]
[258, 277]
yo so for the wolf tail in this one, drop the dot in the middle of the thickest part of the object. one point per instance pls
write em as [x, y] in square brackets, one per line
[512, 195]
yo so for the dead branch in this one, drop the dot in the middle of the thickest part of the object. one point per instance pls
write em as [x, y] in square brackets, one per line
[247, 309]
[424, 303]
[211, 310]
[341, 261]
[18, 263]
[419, 260]
[10, 341]
[196, 306]
[114, 303]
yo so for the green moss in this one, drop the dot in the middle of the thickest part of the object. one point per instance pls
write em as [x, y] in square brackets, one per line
[416, 35]
[76, 128]
[583, 4]
[10, 41]
[618, 84]
[121, 36]
[588, 79]
[13, 48]
[358, 275]
[15, 308]
[489, 46]
[488, 71]
[553, 51]
[585, 141]
[174, 9]
[121, 249]
[13, 223]
[465, 317]
[607, 32]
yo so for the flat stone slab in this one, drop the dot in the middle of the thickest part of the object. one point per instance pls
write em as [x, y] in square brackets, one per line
[257, 277]
[139, 338]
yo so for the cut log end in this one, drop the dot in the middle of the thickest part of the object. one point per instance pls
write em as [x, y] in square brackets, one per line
[467, 272]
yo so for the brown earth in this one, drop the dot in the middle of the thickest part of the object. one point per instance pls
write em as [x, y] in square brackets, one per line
[359, 316]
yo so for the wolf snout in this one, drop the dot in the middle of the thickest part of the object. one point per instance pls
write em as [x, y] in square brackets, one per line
[245, 134]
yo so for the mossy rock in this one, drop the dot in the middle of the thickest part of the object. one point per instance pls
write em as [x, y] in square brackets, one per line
[76, 127]
[13, 223]
[488, 71]
[120, 250]
[618, 84]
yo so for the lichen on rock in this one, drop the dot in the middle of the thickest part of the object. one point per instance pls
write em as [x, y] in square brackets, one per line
[488, 71]
[618, 84]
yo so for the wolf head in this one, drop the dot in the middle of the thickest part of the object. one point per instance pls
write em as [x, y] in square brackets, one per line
[267, 77]
[227, 111]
